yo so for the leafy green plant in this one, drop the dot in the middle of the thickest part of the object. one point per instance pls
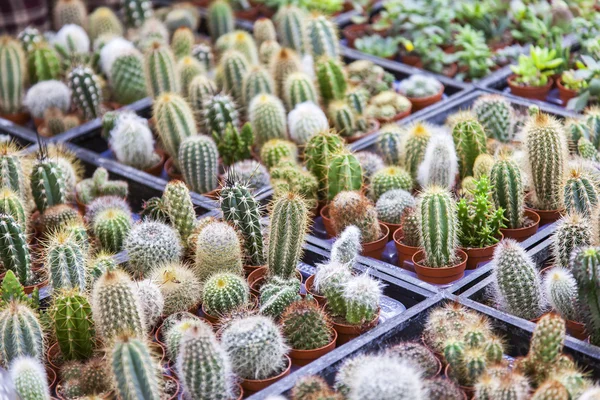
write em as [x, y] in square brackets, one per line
[535, 69]
[321, 6]
[479, 221]
[589, 72]
[473, 55]
[377, 45]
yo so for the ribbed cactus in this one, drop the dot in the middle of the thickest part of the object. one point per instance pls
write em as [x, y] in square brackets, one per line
[306, 326]
[224, 292]
[111, 227]
[299, 88]
[389, 144]
[343, 173]
[277, 295]
[182, 42]
[12, 76]
[361, 296]
[174, 327]
[346, 247]
[116, 307]
[240, 41]
[440, 163]
[290, 177]
[284, 63]
[179, 286]
[267, 50]
[200, 88]
[561, 291]
[12, 204]
[234, 66]
[132, 142]
[174, 122]
[580, 193]
[592, 119]
[220, 19]
[545, 348]
[576, 129]
[342, 118]
[305, 121]
[264, 30]
[104, 21]
[496, 115]
[154, 302]
[70, 12]
[585, 262]
[14, 249]
[160, 70]
[218, 249]
[65, 260]
[28, 37]
[309, 386]
[256, 81]
[188, 68]
[134, 370]
[11, 169]
[86, 91]
[255, 346]
[199, 163]
[546, 151]
[508, 192]
[29, 378]
[220, 110]
[180, 208]
[43, 63]
[331, 79]
[150, 244]
[322, 37]
[417, 355]
[127, 78]
[268, 118]
[240, 208]
[587, 150]
[21, 333]
[415, 144]
[291, 28]
[353, 208]
[470, 140]
[517, 281]
[438, 227]
[99, 264]
[203, 366]
[390, 178]
[254, 175]
[573, 231]
[318, 153]
[203, 53]
[289, 224]
[392, 204]
[137, 12]
[331, 280]
[275, 150]
[73, 325]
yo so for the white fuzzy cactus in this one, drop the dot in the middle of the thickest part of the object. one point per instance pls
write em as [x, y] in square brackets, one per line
[132, 142]
[45, 95]
[111, 51]
[305, 121]
[72, 38]
[29, 377]
[151, 300]
[361, 295]
[347, 247]
[440, 164]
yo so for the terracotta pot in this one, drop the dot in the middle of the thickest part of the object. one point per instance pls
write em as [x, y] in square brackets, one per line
[30, 289]
[392, 228]
[547, 216]
[451, 70]
[38, 122]
[304, 357]
[397, 117]
[248, 269]
[564, 93]
[249, 15]
[439, 275]
[374, 128]
[469, 391]
[252, 386]
[171, 172]
[170, 378]
[412, 60]
[51, 376]
[20, 118]
[256, 279]
[309, 285]
[346, 332]
[419, 103]
[405, 253]
[353, 32]
[530, 92]
[327, 221]
[478, 255]
[375, 249]
[213, 319]
[157, 168]
[51, 356]
[521, 234]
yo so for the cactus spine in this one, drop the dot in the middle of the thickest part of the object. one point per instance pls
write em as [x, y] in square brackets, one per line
[508, 192]
[224, 292]
[438, 227]
[111, 227]
[86, 91]
[11, 170]
[65, 260]
[180, 208]
[470, 140]
[220, 19]
[150, 244]
[160, 70]
[30, 379]
[496, 115]
[134, 369]
[580, 193]
[12, 77]
[174, 122]
[291, 28]
[20, 333]
[331, 79]
[234, 67]
[14, 250]
[72, 317]
[322, 37]
[573, 231]
[344, 173]
[268, 118]
[127, 78]
[199, 163]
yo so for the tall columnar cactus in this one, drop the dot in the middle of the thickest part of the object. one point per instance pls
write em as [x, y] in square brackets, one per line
[347, 246]
[470, 140]
[203, 366]
[299, 88]
[182, 42]
[545, 348]
[438, 227]
[234, 66]
[361, 296]
[573, 231]
[546, 152]
[180, 208]
[71, 315]
[14, 249]
[160, 70]
[12, 75]
[12, 204]
[256, 81]
[276, 150]
[220, 110]
[389, 144]
[305, 121]
[496, 115]
[508, 192]
[353, 208]
[115, 306]
[331, 79]
[200, 88]
[111, 227]
[343, 173]
[199, 163]
[218, 249]
[580, 193]
[291, 28]
[174, 122]
[65, 259]
[224, 292]
[127, 78]
[30, 379]
[306, 326]
[43, 63]
[318, 152]
[220, 19]
[415, 144]
[86, 91]
[440, 163]
[179, 286]
[585, 265]
[20, 334]
[134, 370]
[255, 346]
[104, 21]
[322, 37]
[268, 118]
[137, 12]
[150, 244]
[560, 288]
[518, 287]
[390, 178]
[240, 208]
[11, 170]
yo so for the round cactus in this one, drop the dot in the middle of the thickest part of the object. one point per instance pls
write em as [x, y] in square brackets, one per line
[390, 178]
[417, 355]
[111, 227]
[264, 30]
[391, 205]
[306, 326]
[275, 150]
[305, 121]
[29, 37]
[352, 208]
[104, 21]
[21, 333]
[137, 12]
[361, 296]
[179, 286]
[127, 78]
[224, 292]
[133, 143]
[218, 250]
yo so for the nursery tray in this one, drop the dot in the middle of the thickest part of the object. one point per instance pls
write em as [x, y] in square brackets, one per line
[409, 326]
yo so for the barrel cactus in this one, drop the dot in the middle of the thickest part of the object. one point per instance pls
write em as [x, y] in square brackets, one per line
[224, 292]
[218, 249]
[179, 286]
[111, 227]
[392, 204]
[390, 178]
[353, 208]
[306, 326]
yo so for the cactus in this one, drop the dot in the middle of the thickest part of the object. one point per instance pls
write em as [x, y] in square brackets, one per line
[198, 90]
[496, 115]
[387, 105]
[154, 302]
[154, 209]
[275, 150]
[318, 152]
[592, 119]
[306, 326]
[218, 250]
[180, 209]
[576, 129]
[13, 75]
[12, 204]
[289, 224]
[587, 150]
[99, 185]
[30, 380]
[182, 42]
[264, 30]
[560, 288]
[517, 281]
[442, 389]
[203, 53]
[573, 231]
[251, 172]
[267, 50]
[331, 79]
[584, 265]
[132, 142]
[470, 140]
[390, 178]
[291, 28]
[438, 227]
[305, 121]
[440, 163]
[21, 333]
[11, 289]
[73, 325]
[277, 295]
[65, 259]
[344, 173]
[343, 118]
[47, 184]
[134, 369]
[174, 122]
[160, 70]
[150, 244]
[322, 37]
[483, 166]
[361, 296]
[173, 332]
[70, 12]
[415, 144]
[99, 264]
[86, 91]
[256, 347]
[256, 81]
[198, 158]
[234, 67]
[392, 204]
[29, 37]
[417, 355]
[235, 146]
[137, 12]
[220, 19]
[508, 192]
[127, 78]
[330, 281]
[241, 209]
[546, 151]
[411, 227]
[579, 193]
[308, 387]
[299, 88]
[283, 63]
[389, 144]
[73, 44]
[352, 208]
[289, 177]
[43, 63]
[240, 41]
[104, 21]
[47, 95]
[111, 227]
[220, 110]
[224, 292]
[14, 250]
[346, 247]
[268, 118]
[179, 17]
[420, 86]
[179, 286]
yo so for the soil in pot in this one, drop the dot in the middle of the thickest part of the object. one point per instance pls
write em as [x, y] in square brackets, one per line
[530, 92]
[480, 255]
[304, 357]
[440, 276]
[355, 31]
[347, 332]
[310, 289]
[419, 103]
[531, 224]
[375, 249]
[252, 386]
[405, 252]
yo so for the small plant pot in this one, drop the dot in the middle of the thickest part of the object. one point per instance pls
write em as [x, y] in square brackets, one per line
[51, 375]
[469, 391]
[20, 118]
[375, 249]
[30, 289]
[405, 253]
[327, 221]
[440, 276]
[309, 285]
[347, 332]
[374, 127]
[304, 357]
[412, 60]
[547, 216]
[353, 32]
[451, 70]
[157, 168]
[172, 171]
[564, 93]
[577, 330]
[52, 355]
[530, 92]
[419, 103]
[252, 386]
[397, 117]
[392, 228]
[248, 269]
[256, 279]
[521, 234]
[178, 387]
[478, 255]
[249, 15]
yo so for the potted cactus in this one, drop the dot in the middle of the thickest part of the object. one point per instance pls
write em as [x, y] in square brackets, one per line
[421, 90]
[388, 106]
[407, 239]
[532, 77]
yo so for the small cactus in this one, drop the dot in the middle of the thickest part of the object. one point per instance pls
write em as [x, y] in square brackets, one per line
[104, 21]
[470, 140]
[134, 369]
[132, 142]
[70, 12]
[12, 204]
[179, 286]
[306, 326]
[182, 42]
[417, 355]
[47, 184]
[180, 208]
[361, 296]
[65, 259]
[218, 249]
[318, 152]
[291, 28]
[370, 163]
[47, 95]
[29, 377]
[440, 163]
[127, 77]
[71, 314]
[508, 191]
[219, 111]
[389, 144]
[111, 227]
[415, 144]
[21, 333]
[573, 231]
[160, 70]
[234, 66]
[276, 150]
[344, 173]
[579, 193]
[264, 30]
[220, 19]
[299, 88]
[256, 81]
[86, 91]
[174, 122]
[411, 227]
[561, 291]
[420, 86]
[392, 205]
[137, 12]
[268, 118]
[14, 249]
[584, 264]
[277, 295]
[199, 162]
[322, 37]
[154, 302]
[267, 50]
[253, 173]
[43, 63]
[305, 121]
[343, 118]
[390, 178]
[224, 292]
[353, 208]
[496, 115]
[331, 79]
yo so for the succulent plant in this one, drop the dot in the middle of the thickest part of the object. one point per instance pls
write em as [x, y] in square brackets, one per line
[18, 317]
[198, 158]
[361, 296]
[440, 163]
[306, 326]
[160, 70]
[268, 118]
[174, 122]
[353, 208]
[420, 86]
[283, 63]
[299, 88]
[587, 150]
[560, 289]
[111, 227]
[584, 265]
[218, 249]
[103, 21]
[342, 118]
[470, 140]
[150, 244]
[417, 355]
[240, 41]
[308, 387]
[305, 121]
[390, 144]
[318, 152]
[277, 294]
[180, 208]
[65, 260]
[99, 185]
[442, 389]
[14, 252]
[331, 79]
[132, 142]
[46, 95]
[29, 37]
[220, 19]
[179, 286]
[43, 63]
[483, 166]
[411, 227]
[392, 204]
[508, 191]
[70, 12]
[344, 173]
[224, 292]
[182, 42]
[370, 163]
[276, 150]
[267, 50]
[257, 81]
[99, 264]
[291, 28]
[86, 91]
[250, 172]
[219, 111]
[127, 77]
[234, 66]
[72, 43]
[387, 105]
[415, 143]
[154, 302]
[496, 115]
[73, 326]
[30, 379]
[288, 176]
[390, 178]
[134, 369]
[11, 204]
[104, 203]
[573, 231]
[137, 12]
[346, 247]
[580, 193]
[47, 183]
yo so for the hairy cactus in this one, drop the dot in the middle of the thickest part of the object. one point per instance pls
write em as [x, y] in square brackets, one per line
[30, 380]
[104, 21]
[134, 369]
[561, 291]
[13, 76]
[440, 163]
[12, 204]
[346, 247]
[508, 192]
[291, 28]
[305, 121]
[517, 281]
[573, 231]
[275, 150]
[496, 115]
[14, 249]
[470, 140]
[218, 249]
[256, 347]
[219, 111]
[182, 42]
[150, 244]
[234, 67]
[389, 144]
[579, 193]
[116, 307]
[73, 325]
[179, 286]
[277, 295]
[392, 204]
[132, 142]
[390, 178]
[111, 227]
[256, 81]
[417, 355]
[127, 77]
[264, 30]
[386, 105]
[306, 326]
[584, 265]
[268, 118]
[43, 63]
[224, 292]
[154, 302]
[198, 159]
[331, 79]
[47, 96]
[160, 70]
[318, 152]
[174, 122]
[330, 281]
[21, 333]
[220, 19]
[361, 296]
[352, 208]
[299, 88]
[65, 259]
[322, 37]
[86, 91]
[438, 227]
[415, 145]
[344, 173]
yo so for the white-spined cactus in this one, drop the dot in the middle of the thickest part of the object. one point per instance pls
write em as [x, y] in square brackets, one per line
[347, 246]
[46, 95]
[30, 379]
[179, 286]
[152, 300]
[132, 142]
[440, 163]
[305, 121]
[218, 249]
[73, 39]
[561, 291]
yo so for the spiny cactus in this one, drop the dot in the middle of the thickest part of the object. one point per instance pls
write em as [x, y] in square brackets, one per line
[91, 190]
[218, 249]
[179, 207]
[318, 152]
[305, 121]
[361, 296]
[224, 292]
[256, 81]
[154, 302]
[518, 286]
[160, 70]
[283, 63]
[256, 347]
[344, 173]
[330, 281]
[220, 19]
[331, 79]
[264, 30]
[353, 208]
[306, 326]
[389, 144]
[132, 142]
[14, 249]
[203, 53]
[277, 295]
[268, 118]
[275, 150]
[70, 12]
[251, 172]
[587, 150]
[198, 90]
[584, 265]
[483, 166]
[496, 115]
[47, 95]
[576, 129]
[392, 204]
[573, 231]
[234, 67]
[21, 333]
[240, 41]
[411, 227]
[179, 286]
[47, 184]
[299, 88]
[308, 387]
[104, 21]
[71, 314]
[134, 369]
[580, 193]
[29, 37]
[346, 247]
[99, 264]
[508, 192]
[137, 12]
[415, 144]
[188, 68]
[322, 37]
[470, 140]
[182, 42]
[12, 204]
[291, 28]
[43, 63]
[174, 122]
[417, 355]
[111, 227]
[127, 77]
[72, 43]
[198, 158]
[220, 110]
[86, 91]
[30, 380]
[561, 291]
[342, 118]
[442, 389]
[65, 260]
[267, 50]
[150, 244]
[290, 177]
[440, 163]
[390, 178]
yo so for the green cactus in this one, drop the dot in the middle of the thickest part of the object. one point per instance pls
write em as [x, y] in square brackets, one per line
[104, 21]
[353, 208]
[508, 191]
[137, 12]
[13, 75]
[43, 63]
[224, 292]
[240, 41]
[220, 110]
[199, 163]
[496, 115]
[21, 333]
[188, 68]
[290, 177]
[299, 88]
[203, 53]
[264, 30]
[200, 88]
[442, 389]
[318, 152]
[87, 92]
[182, 42]
[234, 67]
[331, 280]
[11, 169]
[65, 260]
[470, 140]
[584, 265]
[160, 70]
[252, 173]
[218, 249]
[14, 249]
[29, 378]
[174, 122]
[343, 118]
[411, 227]
[587, 150]
[267, 50]
[233, 145]
[111, 227]
[180, 208]
[220, 19]
[11, 289]
[47, 184]
[28, 37]
[561, 291]
[277, 295]
[73, 325]
[390, 178]
[361, 296]
[576, 129]
[545, 348]
[392, 205]
[268, 118]
[322, 37]
[275, 150]
[572, 231]
[134, 369]
[331, 79]
[306, 326]
[12, 204]
[99, 264]
[283, 63]
[179, 286]
[99, 186]
[256, 81]
[305, 121]
[483, 166]
[580, 193]
[291, 28]
[308, 387]
[438, 227]
[127, 78]
[343, 173]
[389, 144]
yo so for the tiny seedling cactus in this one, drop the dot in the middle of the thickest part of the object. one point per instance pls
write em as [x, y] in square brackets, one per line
[218, 249]
[353, 208]
[179, 286]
